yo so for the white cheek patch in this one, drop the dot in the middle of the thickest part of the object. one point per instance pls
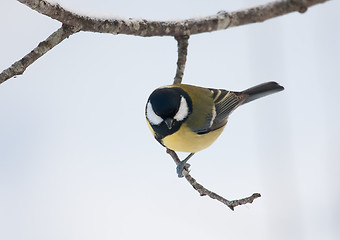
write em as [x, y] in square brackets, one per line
[183, 110]
[153, 118]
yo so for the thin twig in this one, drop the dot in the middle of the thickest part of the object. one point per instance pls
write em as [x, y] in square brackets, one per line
[73, 23]
[182, 46]
[54, 39]
[205, 192]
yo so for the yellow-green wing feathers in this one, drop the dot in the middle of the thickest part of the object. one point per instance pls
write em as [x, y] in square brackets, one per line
[225, 102]
[203, 104]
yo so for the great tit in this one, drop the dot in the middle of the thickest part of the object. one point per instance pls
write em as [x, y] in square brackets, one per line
[188, 118]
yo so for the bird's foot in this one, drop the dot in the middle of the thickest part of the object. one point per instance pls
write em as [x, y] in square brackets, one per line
[181, 166]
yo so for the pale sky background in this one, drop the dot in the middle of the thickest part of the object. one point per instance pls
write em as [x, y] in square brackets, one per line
[77, 160]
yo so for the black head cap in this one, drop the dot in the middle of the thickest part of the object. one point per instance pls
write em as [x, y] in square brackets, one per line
[166, 109]
[165, 102]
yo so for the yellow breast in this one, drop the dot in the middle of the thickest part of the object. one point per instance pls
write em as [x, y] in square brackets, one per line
[185, 140]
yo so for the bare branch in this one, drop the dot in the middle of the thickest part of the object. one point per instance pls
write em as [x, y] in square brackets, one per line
[143, 27]
[54, 39]
[205, 192]
[73, 22]
[270, 10]
[181, 30]
[182, 45]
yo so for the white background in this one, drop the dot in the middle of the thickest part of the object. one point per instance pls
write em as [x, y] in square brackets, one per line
[77, 160]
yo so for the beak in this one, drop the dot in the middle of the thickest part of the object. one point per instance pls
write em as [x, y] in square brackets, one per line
[169, 122]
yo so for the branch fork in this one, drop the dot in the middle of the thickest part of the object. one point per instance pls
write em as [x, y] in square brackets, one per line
[180, 30]
[146, 28]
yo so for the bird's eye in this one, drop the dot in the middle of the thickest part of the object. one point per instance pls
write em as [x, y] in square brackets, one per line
[183, 110]
[153, 118]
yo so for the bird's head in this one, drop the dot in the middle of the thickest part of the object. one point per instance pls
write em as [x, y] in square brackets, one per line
[167, 108]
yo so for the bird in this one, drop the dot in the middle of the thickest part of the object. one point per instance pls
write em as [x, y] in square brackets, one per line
[188, 118]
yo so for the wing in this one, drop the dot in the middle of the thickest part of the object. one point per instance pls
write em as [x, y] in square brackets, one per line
[220, 103]
[225, 103]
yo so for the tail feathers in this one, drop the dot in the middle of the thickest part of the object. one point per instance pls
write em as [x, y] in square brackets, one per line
[262, 90]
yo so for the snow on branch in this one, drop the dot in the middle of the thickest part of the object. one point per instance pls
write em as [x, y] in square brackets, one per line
[148, 28]
[180, 30]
